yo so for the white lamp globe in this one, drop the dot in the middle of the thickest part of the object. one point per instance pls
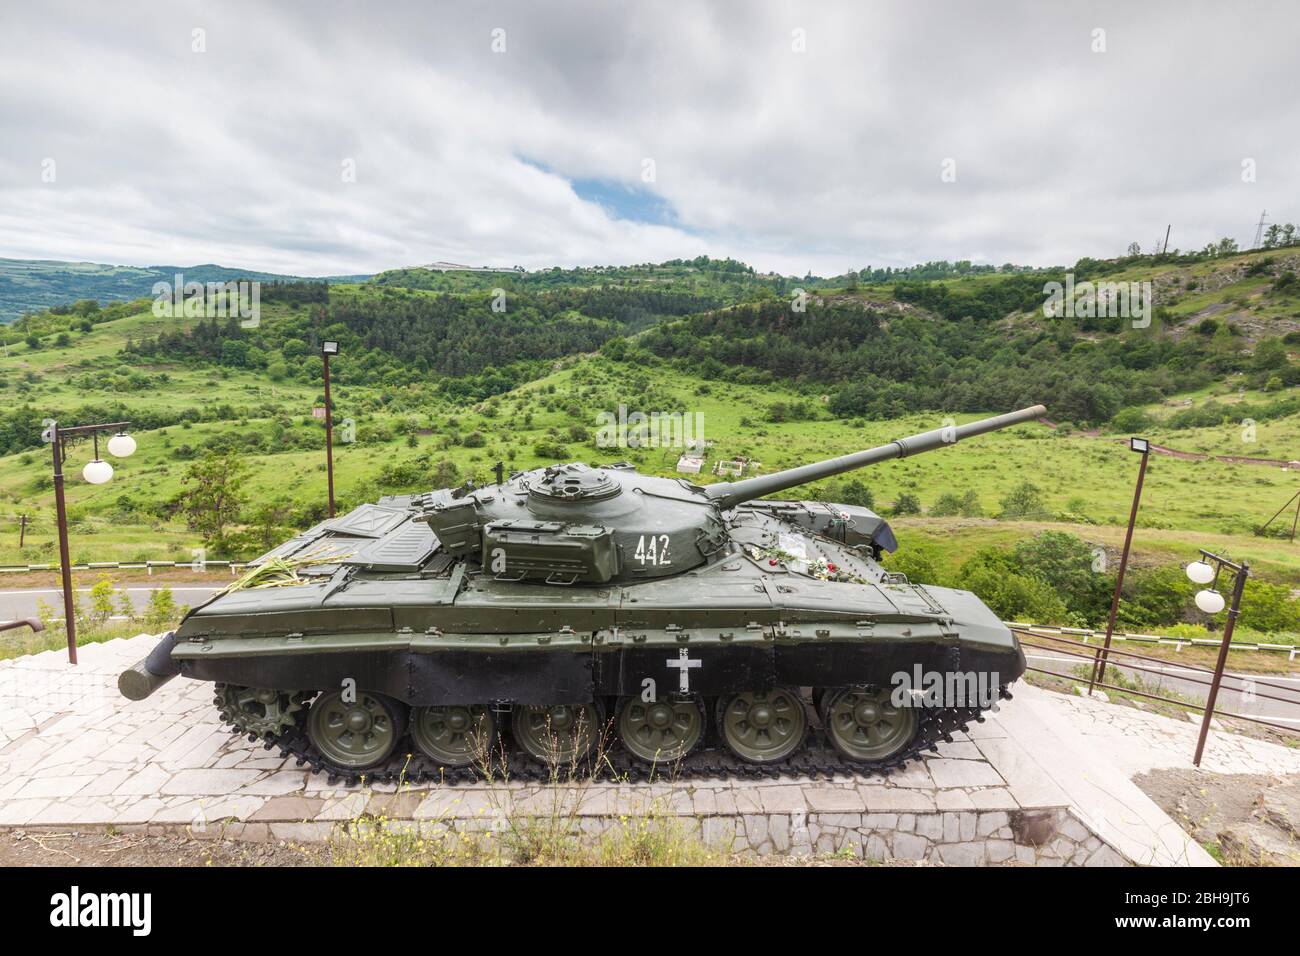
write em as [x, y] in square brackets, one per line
[121, 445]
[1211, 602]
[1199, 571]
[97, 472]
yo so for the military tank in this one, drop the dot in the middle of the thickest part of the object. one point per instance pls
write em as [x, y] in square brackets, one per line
[571, 611]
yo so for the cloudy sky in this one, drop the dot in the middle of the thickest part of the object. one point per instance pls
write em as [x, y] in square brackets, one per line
[319, 138]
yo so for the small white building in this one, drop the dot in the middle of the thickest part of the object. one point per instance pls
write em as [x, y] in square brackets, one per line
[690, 464]
[735, 467]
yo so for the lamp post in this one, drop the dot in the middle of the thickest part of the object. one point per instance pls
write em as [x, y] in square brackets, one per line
[97, 471]
[1210, 601]
[1143, 447]
[326, 350]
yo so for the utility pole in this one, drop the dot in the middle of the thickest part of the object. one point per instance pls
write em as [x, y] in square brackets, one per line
[97, 472]
[1167, 229]
[65, 562]
[1259, 230]
[1142, 446]
[22, 530]
[1241, 572]
[328, 349]
[1296, 522]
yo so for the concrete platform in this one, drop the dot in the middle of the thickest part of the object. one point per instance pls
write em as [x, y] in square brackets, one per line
[1044, 782]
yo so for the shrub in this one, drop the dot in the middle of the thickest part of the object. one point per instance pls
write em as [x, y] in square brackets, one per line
[1023, 501]
[854, 492]
[907, 504]
[1130, 420]
[967, 505]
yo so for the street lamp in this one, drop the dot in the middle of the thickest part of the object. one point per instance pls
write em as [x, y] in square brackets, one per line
[1210, 601]
[326, 350]
[1142, 447]
[97, 471]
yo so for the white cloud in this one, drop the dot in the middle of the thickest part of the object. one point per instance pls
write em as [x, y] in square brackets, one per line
[824, 159]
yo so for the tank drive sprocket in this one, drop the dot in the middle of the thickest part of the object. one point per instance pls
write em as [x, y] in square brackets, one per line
[258, 711]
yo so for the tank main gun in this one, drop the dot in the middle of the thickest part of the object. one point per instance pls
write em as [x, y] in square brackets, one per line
[728, 494]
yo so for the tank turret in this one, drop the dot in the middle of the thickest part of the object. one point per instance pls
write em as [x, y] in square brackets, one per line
[574, 524]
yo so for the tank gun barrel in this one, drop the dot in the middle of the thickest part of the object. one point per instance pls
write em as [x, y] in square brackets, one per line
[731, 493]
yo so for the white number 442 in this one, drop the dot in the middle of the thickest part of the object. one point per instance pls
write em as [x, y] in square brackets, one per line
[652, 549]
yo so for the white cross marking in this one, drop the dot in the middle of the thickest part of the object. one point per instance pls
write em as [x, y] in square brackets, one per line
[683, 663]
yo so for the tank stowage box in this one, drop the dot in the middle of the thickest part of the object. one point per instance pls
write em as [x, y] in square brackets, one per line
[571, 611]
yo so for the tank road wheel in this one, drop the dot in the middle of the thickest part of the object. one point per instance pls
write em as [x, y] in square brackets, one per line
[357, 735]
[666, 730]
[454, 736]
[259, 711]
[556, 733]
[864, 725]
[762, 726]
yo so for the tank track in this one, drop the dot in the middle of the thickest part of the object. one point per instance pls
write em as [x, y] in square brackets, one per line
[815, 760]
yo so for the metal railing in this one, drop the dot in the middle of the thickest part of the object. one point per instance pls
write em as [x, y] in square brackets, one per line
[1248, 687]
[1177, 643]
[195, 566]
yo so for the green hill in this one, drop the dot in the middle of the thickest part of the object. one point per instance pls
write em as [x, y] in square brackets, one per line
[33, 285]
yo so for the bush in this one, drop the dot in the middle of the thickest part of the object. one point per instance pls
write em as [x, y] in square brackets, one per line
[1268, 607]
[1131, 420]
[1156, 597]
[1068, 564]
[949, 503]
[1023, 501]
[552, 450]
[907, 504]
[919, 562]
[1012, 596]
[853, 492]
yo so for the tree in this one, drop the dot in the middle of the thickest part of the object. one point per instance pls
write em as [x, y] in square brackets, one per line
[1134, 249]
[854, 492]
[1069, 565]
[161, 611]
[1023, 501]
[101, 603]
[212, 492]
[907, 504]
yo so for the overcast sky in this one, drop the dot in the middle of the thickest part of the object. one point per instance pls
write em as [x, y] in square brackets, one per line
[319, 138]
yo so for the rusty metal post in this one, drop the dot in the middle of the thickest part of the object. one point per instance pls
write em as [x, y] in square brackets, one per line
[329, 434]
[1099, 670]
[1238, 587]
[65, 560]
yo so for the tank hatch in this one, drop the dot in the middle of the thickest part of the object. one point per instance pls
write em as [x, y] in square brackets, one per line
[573, 482]
[403, 550]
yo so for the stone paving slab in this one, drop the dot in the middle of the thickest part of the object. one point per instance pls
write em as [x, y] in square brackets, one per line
[1045, 781]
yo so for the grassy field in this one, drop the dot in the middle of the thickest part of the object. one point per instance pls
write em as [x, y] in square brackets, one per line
[1186, 504]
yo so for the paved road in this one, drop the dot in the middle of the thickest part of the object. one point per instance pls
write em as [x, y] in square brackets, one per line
[22, 603]
[1175, 678]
